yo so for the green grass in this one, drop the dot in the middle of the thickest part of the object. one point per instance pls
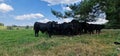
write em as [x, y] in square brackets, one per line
[23, 43]
[3, 27]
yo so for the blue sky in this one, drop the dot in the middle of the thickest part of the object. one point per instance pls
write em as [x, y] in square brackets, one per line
[26, 12]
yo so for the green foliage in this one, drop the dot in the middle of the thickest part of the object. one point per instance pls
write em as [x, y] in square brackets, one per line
[9, 27]
[27, 27]
[57, 14]
[110, 7]
[2, 27]
[1, 24]
[85, 7]
[45, 45]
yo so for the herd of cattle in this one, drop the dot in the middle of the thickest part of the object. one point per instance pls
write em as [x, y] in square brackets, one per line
[71, 28]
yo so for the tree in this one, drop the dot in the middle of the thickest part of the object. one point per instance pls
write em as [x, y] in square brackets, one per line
[27, 27]
[1, 24]
[14, 25]
[110, 7]
[77, 12]
[89, 9]
[57, 14]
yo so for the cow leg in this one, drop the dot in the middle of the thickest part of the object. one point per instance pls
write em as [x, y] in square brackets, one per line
[36, 33]
[85, 30]
[99, 31]
[92, 32]
[49, 33]
[96, 31]
[80, 31]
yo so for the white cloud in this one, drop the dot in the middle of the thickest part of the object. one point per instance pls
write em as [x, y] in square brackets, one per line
[5, 8]
[44, 20]
[29, 16]
[99, 21]
[67, 20]
[77, 15]
[64, 20]
[56, 2]
[66, 8]
[102, 15]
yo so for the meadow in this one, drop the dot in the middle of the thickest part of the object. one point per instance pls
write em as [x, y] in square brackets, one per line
[23, 43]
[2, 27]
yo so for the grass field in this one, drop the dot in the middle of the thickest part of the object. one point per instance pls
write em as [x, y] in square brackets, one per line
[23, 43]
[2, 27]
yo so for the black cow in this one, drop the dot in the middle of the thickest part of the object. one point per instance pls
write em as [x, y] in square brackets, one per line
[98, 28]
[83, 27]
[44, 28]
[67, 28]
[90, 28]
[57, 29]
[94, 27]
[72, 28]
[62, 29]
[77, 27]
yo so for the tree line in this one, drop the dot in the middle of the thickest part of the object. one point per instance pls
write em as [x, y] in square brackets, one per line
[16, 27]
[88, 10]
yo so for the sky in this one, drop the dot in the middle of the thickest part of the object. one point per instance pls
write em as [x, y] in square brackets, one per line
[26, 12]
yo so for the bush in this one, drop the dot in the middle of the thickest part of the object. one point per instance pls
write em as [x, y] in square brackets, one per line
[27, 27]
[9, 27]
